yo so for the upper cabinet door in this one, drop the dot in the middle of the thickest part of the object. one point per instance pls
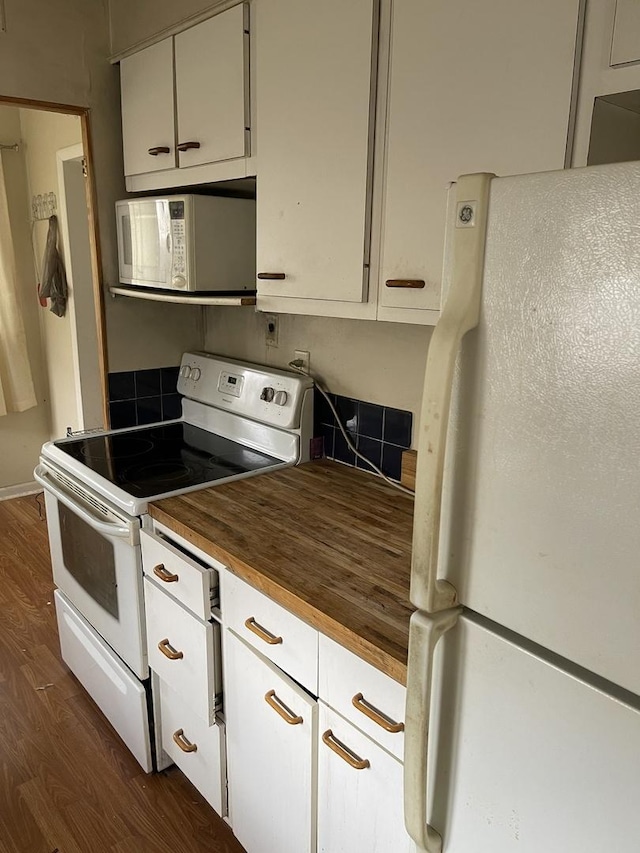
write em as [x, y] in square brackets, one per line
[473, 87]
[211, 92]
[314, 72]
[148, 128]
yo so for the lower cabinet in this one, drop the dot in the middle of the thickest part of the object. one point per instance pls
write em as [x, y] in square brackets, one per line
[360, 807]
[271, 753]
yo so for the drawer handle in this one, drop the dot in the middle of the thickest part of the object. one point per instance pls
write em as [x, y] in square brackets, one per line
[159, 149]
[164, 574]
[184, 744]
[280, 708]
[344, 752]
[168, 651]
[271, 276]
[378, 717]
[186, 146]
[261, 632]
[413, 283]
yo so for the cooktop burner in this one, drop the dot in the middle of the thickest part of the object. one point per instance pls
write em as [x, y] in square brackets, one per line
[165, 457]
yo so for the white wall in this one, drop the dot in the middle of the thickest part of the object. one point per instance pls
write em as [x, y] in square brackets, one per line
[378, 362]
[22, 433]
[133, 22]
[58, 52]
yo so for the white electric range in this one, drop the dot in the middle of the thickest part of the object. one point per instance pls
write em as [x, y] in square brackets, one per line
[238, 420]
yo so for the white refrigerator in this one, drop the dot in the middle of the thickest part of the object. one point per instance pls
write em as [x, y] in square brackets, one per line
[523, 694]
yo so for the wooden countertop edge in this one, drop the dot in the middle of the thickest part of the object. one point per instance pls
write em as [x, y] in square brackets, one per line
[367, 650]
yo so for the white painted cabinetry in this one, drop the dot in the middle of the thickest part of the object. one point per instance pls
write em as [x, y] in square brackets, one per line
[183, 643]
[148, 127]
[271, 745]
[188, 94]
[360, 805]
[314, 94]
[470, 87]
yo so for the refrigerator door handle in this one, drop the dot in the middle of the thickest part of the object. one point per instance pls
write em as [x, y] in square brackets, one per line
[424, 633]
[460, 314]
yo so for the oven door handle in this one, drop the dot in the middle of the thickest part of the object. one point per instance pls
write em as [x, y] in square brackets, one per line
[114, 530]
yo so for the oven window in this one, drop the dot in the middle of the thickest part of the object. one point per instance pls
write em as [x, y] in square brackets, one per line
[90, 558]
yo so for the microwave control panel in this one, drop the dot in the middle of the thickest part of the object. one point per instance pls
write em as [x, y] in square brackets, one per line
[178, 254]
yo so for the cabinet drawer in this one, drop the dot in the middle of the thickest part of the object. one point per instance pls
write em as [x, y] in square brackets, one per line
[190, 662]
[361, 693]
[277, 634]
[179, 575]
[204, 765]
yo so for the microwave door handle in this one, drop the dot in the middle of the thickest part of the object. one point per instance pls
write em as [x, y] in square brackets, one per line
[169, 242]
[114, 530]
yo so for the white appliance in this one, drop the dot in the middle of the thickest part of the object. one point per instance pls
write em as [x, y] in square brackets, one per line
[187, 243]
[238, 420]
[523, 700]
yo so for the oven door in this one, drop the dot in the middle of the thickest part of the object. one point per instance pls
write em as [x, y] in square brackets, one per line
[96, 560]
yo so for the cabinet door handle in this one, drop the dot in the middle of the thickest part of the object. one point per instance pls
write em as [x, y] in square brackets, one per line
[164, 574]
[378, 717]
[413, 283]
[280, 708]
[271, 276]
[187, 146]
[261, 632]
[344, 752]
[184, 744]
[159, 149]
[168, 651]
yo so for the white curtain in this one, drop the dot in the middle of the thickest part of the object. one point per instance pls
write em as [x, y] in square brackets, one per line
[16, 384]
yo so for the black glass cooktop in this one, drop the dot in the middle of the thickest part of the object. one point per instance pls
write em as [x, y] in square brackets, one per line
[163, 458]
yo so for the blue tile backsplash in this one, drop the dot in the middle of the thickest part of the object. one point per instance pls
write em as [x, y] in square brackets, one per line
[138, 397]
[379, 433]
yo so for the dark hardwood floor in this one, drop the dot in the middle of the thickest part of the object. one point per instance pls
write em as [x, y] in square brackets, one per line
[67, 783]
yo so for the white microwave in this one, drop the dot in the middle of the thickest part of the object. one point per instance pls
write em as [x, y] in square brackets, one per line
[187, 243]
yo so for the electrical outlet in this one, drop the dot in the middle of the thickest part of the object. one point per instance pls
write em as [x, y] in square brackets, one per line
[304, 357]
[271, 330]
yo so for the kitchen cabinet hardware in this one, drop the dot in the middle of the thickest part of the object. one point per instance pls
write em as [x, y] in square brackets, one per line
[271, 276]
[187, 146]
[412, 283]
[164, 574]
[280, 708]
[361, 704]
[261, 632]
[168, 651]
[184, 744]
[159, 149]
[344, 752]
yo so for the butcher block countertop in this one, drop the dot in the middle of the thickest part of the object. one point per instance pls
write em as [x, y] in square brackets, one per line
[328, 542]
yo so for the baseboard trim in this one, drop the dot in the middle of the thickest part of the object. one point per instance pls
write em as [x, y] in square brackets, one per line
[20, 490]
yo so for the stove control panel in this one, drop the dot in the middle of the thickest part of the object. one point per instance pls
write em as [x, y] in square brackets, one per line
[230, 383]
[263, 394]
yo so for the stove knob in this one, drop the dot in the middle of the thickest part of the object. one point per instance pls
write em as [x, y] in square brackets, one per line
[280, 398]
[267, 394]
[185, 371]
[196, 373]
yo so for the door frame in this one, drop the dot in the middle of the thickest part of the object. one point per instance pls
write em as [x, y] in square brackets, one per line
[94, 239]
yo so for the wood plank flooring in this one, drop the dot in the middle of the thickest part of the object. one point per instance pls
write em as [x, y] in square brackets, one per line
[67, 782]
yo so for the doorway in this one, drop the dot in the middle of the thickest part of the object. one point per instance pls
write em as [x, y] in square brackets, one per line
[47, 170]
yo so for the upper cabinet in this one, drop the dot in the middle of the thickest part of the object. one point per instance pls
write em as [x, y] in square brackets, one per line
[365, 113]
[314, 91]
[185, 104]
[472, 87]
[148, 127]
